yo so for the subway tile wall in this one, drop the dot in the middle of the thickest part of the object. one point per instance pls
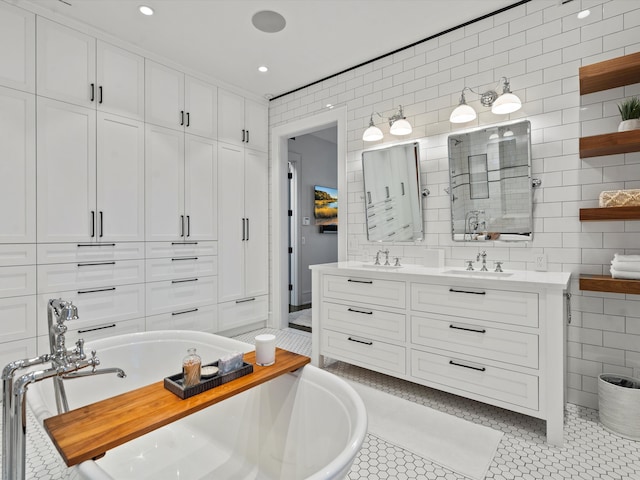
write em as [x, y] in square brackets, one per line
[539, 46]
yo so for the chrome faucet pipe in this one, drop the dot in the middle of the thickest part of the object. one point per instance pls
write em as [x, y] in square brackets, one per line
[118, 371]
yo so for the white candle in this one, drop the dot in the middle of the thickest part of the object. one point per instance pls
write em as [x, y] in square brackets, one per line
[265, 349]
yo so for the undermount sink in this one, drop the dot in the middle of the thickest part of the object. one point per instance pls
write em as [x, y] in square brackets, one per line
[477, 273]
[385, 267]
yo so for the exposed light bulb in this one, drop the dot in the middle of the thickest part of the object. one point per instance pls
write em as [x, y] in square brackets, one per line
[145, 10]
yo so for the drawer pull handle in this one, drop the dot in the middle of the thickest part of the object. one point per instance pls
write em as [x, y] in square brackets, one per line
[184, 243]
[183, 258]
[244, 300]
[97, 328]
[359, 311]
[466, 291]
[360, 281]
[96, 245]
[185, 311]
[186, 280]
[92, 264]
[468, 329]
[360, 341]
[110, 289]
[480, 369]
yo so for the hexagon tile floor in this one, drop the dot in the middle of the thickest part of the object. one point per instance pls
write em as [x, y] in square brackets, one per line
[590, 452]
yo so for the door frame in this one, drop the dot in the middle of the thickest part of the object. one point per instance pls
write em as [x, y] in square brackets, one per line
[294, 228]
[280, 135]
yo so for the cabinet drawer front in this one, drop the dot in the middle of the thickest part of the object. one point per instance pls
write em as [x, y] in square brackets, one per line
[97, 307]
[470, 377]
[365, 290]
[365, 321]
[89, 252]
[12, 254]
[18, 349]
[17, 318]
[180, 249]
[84, 275]
[198, 318]
[365, 352]
[242, 312]
[515, 308]
[158, 269]
[16, 281]
[457, 334]
[109, 329]
[180, 294]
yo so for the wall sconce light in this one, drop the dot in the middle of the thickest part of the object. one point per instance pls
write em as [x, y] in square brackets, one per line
[500, 104]
[398, 124]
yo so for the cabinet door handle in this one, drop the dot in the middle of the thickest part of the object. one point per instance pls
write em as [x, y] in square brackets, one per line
[480, 369]
[188, 121]
[93, 223]
[101, 223]
[184, 281]
[100, 92]
[247, 229]
[244, 230]
[97, 328]
[359, 311]
[188, 225]
[466, 291]
[183, 258]
[245, 300]
[110, 289]
[96, 244]
[184, 311]
[243, 135]
[360, 281]
[402, 188]
[93, 92]
[247, 136]
[182, 225]
[94, 264]
[184, 243]
[468, 329]
[360, 341]
[182, 117]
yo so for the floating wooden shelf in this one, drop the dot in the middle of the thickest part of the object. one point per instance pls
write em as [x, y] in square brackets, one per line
[604, 283]
[609, 213]
[610, 144]
[89, 431]
[613, 73]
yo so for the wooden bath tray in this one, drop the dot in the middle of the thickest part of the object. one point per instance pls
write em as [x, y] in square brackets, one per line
[90, 431]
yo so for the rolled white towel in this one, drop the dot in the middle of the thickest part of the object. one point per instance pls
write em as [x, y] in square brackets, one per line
[626, 258]
[627, 275]
[626, 266]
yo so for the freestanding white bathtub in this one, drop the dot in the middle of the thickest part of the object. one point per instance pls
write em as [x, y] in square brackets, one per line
[308, 424]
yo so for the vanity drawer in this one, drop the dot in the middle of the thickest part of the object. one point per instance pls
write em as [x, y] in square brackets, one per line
[456, 334]
[513, 308]
[17, 318]
[170, 268]
[464, 376]
[17, 281]
[89, 252]
[198, 318]
[364, 352]
[96, 332]
[181, 249]
[388, 293]
[84, 275]
[365, 321]
[180, 294]
[99, 306]
[17, 254]
[243, 312]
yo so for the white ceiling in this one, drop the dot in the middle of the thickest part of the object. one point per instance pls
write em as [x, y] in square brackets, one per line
[321, 38]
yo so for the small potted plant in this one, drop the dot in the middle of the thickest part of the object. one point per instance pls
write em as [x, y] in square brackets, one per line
[630, 113]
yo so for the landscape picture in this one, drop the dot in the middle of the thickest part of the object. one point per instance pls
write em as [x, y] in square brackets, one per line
[325, 205]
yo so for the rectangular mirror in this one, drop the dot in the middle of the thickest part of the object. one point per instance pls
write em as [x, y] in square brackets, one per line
[392, 193]
[490, 183]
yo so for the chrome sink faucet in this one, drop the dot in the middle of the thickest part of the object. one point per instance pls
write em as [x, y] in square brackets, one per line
[482, 255]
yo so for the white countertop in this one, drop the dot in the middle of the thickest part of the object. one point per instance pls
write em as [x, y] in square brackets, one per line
[520, 277]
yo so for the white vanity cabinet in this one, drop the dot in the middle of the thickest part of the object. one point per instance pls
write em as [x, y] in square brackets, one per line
[96, 74]
[498, 340]
[17, 48]
[180, 102]
[242, 122]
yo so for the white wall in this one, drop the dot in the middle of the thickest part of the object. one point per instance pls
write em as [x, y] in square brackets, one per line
[318, 166]
[539, 46]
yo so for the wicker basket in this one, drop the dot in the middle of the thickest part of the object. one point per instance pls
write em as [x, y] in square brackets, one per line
[619, 401]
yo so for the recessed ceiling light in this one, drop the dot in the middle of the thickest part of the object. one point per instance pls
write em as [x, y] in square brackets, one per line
[145, 10]
[329, 106]
[268, 21]
[263, 68]
[584, 14]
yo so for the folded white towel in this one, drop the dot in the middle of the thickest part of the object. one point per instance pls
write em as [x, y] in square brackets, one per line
[622, 274]
[626, 266]
[626, 258]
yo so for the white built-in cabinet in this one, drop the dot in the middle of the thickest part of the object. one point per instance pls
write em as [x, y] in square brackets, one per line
[178, 101]
[242, 122]
[181, 176]
[17, 48]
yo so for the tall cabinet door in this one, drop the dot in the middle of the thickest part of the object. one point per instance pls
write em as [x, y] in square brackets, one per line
[201, 106]
[66, 61]
[164, 96]
[230, 118]
[256, 211]
[120, 179]
[120, 82]
[17, 48]
[256, 123]
[164, 184]
[231, 222]
[66, 177]
[200, 175]
[17, 166]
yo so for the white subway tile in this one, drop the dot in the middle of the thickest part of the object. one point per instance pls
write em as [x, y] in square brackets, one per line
[527, 50]
[545, 60]
[611, 323]
[583, 240]
[600, 29]
[584, 367]
[624, 341]
[611, 356]
[526, 22]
